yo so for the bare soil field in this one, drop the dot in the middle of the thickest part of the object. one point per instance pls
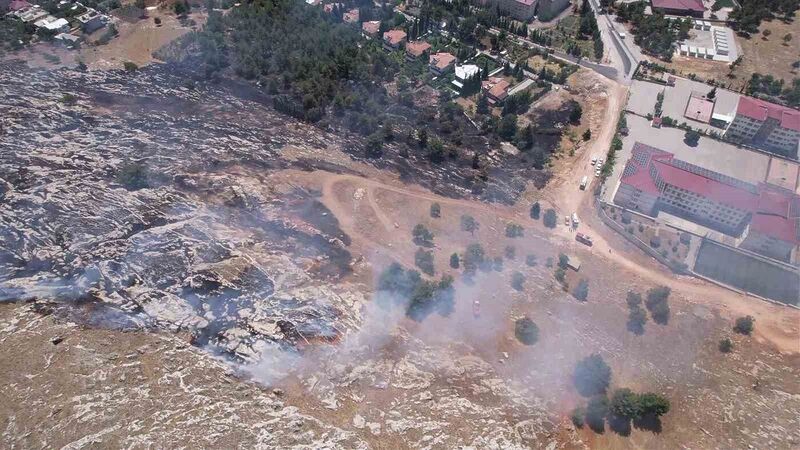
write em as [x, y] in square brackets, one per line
[767, 56]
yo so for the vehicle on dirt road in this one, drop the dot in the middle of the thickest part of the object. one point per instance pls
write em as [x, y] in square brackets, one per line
[583, 239]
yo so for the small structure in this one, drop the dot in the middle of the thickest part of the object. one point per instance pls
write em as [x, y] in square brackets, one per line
[573, 263]
[31, 14]
[53, 25]
[656, 122]
[441, 63]
[371, 28]
[18, 5]
[416, 49]
[393, 39]
[68, 40]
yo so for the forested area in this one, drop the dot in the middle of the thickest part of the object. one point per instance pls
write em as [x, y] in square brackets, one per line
[775, 89]
[654, 33]
[748, 16]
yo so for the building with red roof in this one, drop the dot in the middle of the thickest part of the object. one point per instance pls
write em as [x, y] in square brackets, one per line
[351, 16]
[441, 63]
[18, 5]
[371, 28]
[763, 124]
[692, 8]
[766, 217]
[496, 89]
[393, 39]
[416, 49]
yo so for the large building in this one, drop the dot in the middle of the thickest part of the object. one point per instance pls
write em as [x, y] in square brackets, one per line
[549, 9]
[522, 10]
[767, 125]
[692, 8]
[765, 217]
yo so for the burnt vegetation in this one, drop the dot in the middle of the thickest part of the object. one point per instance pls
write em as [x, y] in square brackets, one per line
[406, 288]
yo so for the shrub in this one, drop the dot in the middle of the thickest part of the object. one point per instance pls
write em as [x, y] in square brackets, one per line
[498, 263]
[468, 223]
[592, 376]
[685, 238]
[625, 403]
[514, 230]
[657, 304]
[530, 260]
[560, 274]
[69, 99]
[473, 257]
[563, 261]
[655, 242]
[581, 291]
[526, 331]
[626, 217]
[436, 211]
[641, 228]
[422, 236]
[424, 260]
[157, 20]
[744, 325]
[535, 210]
[454, 262]
[510, 252]
[133, 176]
[518, 281]
[550, 218]
[653, 404]
[549, 262]
[726, 345]
[596, 412]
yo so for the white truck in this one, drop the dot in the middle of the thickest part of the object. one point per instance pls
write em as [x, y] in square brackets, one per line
[575, 221]
[584, 180]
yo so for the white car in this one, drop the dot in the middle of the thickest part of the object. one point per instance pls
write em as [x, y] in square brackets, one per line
[597, 173]
[594, 159]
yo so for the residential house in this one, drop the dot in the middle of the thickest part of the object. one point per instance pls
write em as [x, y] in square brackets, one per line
[18, 5]
[393, 39]
[496, 89]
[766, 125]
[91, 20]
[465, 72]
[441, 63]
[52, 24]
[416, 49]
[371, 29]
[351, 16]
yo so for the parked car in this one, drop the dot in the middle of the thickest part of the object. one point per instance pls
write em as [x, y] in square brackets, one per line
[566, 220]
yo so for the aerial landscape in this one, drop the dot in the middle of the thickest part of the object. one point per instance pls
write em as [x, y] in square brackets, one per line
[423, 224]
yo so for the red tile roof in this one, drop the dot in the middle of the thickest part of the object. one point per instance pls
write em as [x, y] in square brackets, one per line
[17, 5]
[684, 5]
[371, 27]
[496, 87]
[417, 48]
[394, 37]
[442, 60]
[775, 211]
[351, 16]
[759, 110]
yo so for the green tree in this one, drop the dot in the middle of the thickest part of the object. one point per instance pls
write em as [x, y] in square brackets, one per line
[526, 331]
[374, 145]
[596, 412]
[468, 223]
[550, 218]
[576, 113]
[744, 325]
[577, 416]
[474, 256]
[657, 304]
[652, 404]
[535, 211]
[592, 376]
[482, 105]
[514, 230]
[712, 93]
[507, 128]
[422, 137]
[560, 274]
[518, 281]
[726, 345]
[530, 260]
[436, 211]
[424, 260]
[454, 262]
[587, 135]
[563, 261]
[625, 403]
[422, 236]
[130, 67]
[691, 138]
[581, 291]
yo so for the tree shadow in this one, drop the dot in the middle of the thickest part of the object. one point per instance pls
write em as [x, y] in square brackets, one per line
[596, 425]
[620, 425]
[649, 422]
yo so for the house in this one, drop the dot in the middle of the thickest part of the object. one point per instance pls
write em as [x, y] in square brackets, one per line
[371, 29]
[329, 7]
[31, 14]
[766, 125]
[693, 8]
[68, 40]
[351, 16]
[393, 39]
[52, 24]
[699, 108]
[465, 72]
[522, 10]
[416, 49]
[441, 63]
[765, 216]
[91, 20]
[496, 89]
